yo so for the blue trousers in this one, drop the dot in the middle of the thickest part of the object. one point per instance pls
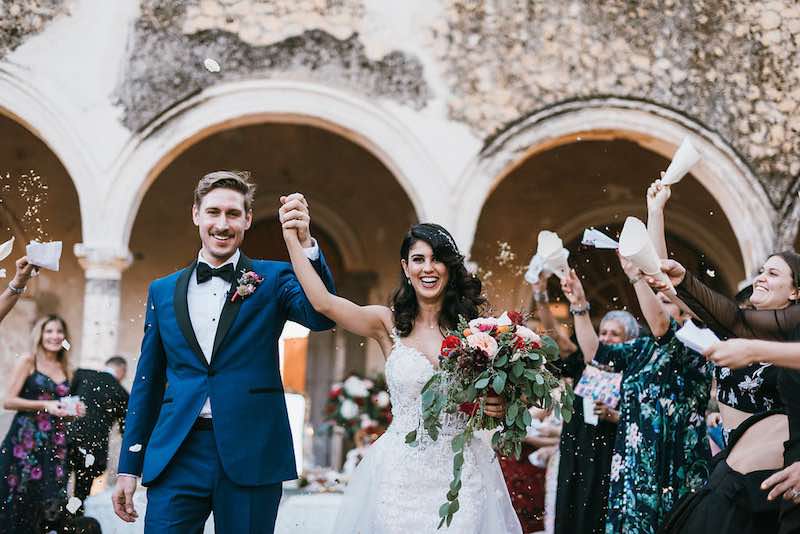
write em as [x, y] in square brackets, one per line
[194, 484]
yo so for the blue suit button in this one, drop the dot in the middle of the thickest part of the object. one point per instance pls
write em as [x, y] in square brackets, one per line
[211, 372]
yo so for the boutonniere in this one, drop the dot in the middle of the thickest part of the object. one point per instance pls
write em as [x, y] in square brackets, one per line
[248, 283]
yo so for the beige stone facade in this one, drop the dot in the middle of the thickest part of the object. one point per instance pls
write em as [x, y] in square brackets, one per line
[495, 118]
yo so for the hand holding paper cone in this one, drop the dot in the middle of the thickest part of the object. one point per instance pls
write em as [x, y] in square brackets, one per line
[684, 159]
[635, 245]
[551, 256]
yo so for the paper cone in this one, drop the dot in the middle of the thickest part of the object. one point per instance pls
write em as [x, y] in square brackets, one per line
[549, 244]
[6, 248]
[597, 239]
[557, 264]
[635, 245]
[45, 255]
[684, 159]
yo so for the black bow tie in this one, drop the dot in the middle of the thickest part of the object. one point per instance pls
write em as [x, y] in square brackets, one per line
[205, 272]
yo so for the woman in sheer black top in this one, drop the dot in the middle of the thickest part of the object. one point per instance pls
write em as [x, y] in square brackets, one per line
[739, 499]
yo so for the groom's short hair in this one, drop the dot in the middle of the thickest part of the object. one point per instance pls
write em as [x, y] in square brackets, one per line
[235, 180]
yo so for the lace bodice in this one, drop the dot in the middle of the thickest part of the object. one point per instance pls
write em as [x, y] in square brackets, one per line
[407, 372]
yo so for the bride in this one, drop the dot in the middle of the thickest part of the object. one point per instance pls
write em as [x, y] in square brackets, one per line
[397, 488]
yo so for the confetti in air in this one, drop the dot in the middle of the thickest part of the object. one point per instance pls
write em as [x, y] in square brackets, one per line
[711, 272]
[30, 191]
[211, 65]
[89, 461]
[73, 504]
[2, 273]
[135, 448]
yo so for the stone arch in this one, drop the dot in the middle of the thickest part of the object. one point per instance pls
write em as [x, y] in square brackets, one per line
[722, 172]
[232, 105]
[24, 104]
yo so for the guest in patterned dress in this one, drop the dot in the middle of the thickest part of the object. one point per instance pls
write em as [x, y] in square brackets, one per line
[586, 449]
[661, 450]
[33, 456]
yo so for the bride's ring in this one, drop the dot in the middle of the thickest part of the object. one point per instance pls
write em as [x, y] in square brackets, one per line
[794, 493]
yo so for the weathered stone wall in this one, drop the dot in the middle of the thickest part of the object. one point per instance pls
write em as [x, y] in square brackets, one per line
[731, 65]
[305, 40]
[19, 19]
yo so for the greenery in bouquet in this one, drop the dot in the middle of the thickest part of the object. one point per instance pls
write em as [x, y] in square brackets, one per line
[491, 357]
[359, 404]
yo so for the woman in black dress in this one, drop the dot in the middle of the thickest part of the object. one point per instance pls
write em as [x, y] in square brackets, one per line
[586, 450]
[33, 456]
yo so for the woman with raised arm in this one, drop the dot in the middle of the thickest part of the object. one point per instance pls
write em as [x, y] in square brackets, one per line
[586, 448]
[33, 456]
[398, 488]
[10, 295]
[661, 451]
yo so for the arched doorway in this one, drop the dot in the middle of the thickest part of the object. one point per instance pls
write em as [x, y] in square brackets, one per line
[38, 200]
[659, 130]
[598, 183]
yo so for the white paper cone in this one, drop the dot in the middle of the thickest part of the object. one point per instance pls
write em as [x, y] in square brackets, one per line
[697, 339]
[684, 159]
[635, 245]
[6, 248]
[548, 244]
[44, 255]
[597, 239]
[557, 264]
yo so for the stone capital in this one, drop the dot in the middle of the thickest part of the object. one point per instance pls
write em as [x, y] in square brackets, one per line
[102, 262]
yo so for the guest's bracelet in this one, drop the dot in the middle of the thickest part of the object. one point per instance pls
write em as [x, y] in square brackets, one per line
[574, 310]
[541, 297]
[16, 290]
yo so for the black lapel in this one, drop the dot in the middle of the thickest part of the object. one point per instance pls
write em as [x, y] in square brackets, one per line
[231, 309]
[182, 311]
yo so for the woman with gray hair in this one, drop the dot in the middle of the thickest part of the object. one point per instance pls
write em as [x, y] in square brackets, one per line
[661, 451]
[587, 440]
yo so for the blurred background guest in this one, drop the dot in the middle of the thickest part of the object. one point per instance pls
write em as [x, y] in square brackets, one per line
[33, 456]
[106, 403]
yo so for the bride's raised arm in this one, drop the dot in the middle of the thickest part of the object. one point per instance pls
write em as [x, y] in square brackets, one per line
[369, 321]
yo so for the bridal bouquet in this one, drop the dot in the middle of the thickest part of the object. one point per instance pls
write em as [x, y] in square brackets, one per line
[491, 357]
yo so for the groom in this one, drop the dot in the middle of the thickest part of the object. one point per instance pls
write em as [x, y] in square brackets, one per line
[207, 428]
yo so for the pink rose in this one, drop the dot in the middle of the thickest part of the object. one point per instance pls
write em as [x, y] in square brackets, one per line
[44, 425]
[484, 342]
[36, 473]
[59, 438]
[28, 443]
[62, 390]
[483, 324]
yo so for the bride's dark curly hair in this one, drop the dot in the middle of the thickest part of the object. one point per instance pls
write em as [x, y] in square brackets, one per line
[462, 296]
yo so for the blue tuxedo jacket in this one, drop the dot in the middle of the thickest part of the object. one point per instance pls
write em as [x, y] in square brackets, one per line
[173, 378]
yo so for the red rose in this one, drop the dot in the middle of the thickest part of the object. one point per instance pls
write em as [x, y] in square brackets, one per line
[516, 317]
[334, 393]
[468, 408]
[449, 344]
[519, 343]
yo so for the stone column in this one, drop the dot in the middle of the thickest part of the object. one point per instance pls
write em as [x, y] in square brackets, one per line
[103, 267]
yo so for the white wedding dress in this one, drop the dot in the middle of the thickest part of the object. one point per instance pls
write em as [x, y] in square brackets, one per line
[398, 489]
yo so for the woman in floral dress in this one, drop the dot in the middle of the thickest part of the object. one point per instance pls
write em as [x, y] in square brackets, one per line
[33, 456]
[661, 451]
